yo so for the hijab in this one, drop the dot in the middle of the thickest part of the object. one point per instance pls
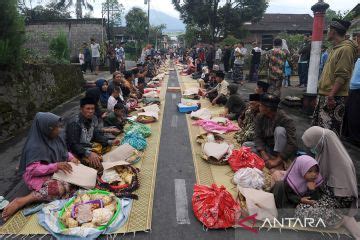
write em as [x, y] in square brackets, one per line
[104, 95]
[295, 174]
[39, 146]
[284, 45]
[335, 164]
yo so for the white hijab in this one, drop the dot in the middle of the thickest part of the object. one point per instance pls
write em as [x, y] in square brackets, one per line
[335, 164]
[284, 45]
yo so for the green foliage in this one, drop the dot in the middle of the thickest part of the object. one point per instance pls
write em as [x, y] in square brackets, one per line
[229, 40]
[59, 48]
[11, 36]
[78, 4]
[220, 19]
[330, 14]
[294, 41]
[136, 22]
[47, 12]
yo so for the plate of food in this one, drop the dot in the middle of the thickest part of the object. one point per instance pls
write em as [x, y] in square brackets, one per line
[91, 209]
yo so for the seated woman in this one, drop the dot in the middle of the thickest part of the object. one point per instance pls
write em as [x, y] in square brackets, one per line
[234, 106]
[247, 120]
[102, 84]
[44, 154]
[338, 171]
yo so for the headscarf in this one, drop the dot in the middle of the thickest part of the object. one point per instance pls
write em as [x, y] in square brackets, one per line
[39, 146]
[104, 95]
[335, 164]
[284, 45]
[295, 174]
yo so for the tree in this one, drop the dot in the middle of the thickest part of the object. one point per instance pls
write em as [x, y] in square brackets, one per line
[220, 17]
[49, 12]
[136, 19]
[113, 13]
[12, 35]
[229, 40]
[330, 14]
[59, 47]
[156, 33]
[79, 5]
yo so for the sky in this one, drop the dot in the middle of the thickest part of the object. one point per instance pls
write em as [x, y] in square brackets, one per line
[275, 6]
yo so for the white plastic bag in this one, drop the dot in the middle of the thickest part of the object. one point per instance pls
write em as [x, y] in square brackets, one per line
[249, 178]
[203, 114]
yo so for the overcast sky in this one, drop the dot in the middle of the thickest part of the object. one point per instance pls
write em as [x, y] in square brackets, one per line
[275, 6]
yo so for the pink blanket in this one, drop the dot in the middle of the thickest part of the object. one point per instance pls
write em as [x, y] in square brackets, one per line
[211, 126]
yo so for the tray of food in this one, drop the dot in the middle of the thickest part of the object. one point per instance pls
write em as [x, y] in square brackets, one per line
[91, 209]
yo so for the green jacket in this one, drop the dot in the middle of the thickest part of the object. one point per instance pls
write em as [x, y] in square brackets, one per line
[338, 68]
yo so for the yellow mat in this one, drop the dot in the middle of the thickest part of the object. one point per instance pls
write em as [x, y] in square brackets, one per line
[207, 174]
[141, 211]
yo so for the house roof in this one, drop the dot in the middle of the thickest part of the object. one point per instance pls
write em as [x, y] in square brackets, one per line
[67, 21]
[282, 23]
[119, 30]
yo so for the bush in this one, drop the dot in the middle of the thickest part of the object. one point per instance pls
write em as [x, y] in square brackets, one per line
[11, 36]
[59, 48]
[229, 40]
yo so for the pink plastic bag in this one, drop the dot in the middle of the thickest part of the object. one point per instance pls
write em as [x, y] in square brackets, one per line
[211, 126]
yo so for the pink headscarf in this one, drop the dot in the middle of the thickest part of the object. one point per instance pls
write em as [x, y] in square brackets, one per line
[297, 171]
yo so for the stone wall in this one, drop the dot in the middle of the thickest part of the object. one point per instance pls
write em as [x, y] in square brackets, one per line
[36, 88]
[39, 33]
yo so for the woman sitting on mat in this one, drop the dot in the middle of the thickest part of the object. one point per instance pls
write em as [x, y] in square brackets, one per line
[190, 67]
[44, 154]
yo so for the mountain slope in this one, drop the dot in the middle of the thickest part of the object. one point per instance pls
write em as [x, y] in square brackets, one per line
[172, 24]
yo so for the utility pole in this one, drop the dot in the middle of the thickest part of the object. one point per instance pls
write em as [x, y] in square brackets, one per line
[319, 10]
[148, 23]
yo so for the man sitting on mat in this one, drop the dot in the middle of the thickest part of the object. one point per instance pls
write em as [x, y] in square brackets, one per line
[275, 133]
[219, 94]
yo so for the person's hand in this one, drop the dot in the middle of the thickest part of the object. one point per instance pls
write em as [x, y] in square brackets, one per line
[94, 160]
[311, 185]
[114, 131]
[75, 160]
[213, 102]
[64, 167]
[331, 102]
[307, 200]
[104, 115]
[116, 142]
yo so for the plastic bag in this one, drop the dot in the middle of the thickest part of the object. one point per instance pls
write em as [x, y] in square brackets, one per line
[140, 128]
[136, 140]
[243, 158]
[214, 206]
[249, 178]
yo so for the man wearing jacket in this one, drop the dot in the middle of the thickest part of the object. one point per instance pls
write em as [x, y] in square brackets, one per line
[335, 79]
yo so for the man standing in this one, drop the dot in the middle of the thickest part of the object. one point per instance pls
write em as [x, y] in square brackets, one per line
[276, 58]
[120, 57]
[240, 54]
[255, 62]
[335, 78]
[95, 53]
[304, 59]
[218, 56]
[226, 58]
[210, 56]
[83, 132]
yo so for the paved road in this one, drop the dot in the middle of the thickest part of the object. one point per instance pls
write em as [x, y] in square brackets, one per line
[172, 214]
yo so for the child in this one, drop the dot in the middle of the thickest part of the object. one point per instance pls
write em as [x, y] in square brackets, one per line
[219, 94]
[113, 99]
[235, 106]
[117, 118]
[301, 184]
[287, 71]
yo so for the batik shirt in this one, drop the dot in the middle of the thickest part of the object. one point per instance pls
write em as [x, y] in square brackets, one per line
[277, 58]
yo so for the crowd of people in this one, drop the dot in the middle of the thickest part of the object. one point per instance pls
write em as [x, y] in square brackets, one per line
[323, 182]
[87, 136]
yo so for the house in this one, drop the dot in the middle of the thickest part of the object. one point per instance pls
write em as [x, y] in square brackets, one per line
[354, 16]
[271, 24]
[120, 35]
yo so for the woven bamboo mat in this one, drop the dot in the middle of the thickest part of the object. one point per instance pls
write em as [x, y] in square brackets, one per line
[207, 174]
[141, 212]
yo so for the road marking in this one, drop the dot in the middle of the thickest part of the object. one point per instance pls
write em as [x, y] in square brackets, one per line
[182, 211]
[174, 121]
[173, 96]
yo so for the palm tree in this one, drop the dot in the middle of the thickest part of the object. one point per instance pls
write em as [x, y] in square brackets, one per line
[79, 5]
